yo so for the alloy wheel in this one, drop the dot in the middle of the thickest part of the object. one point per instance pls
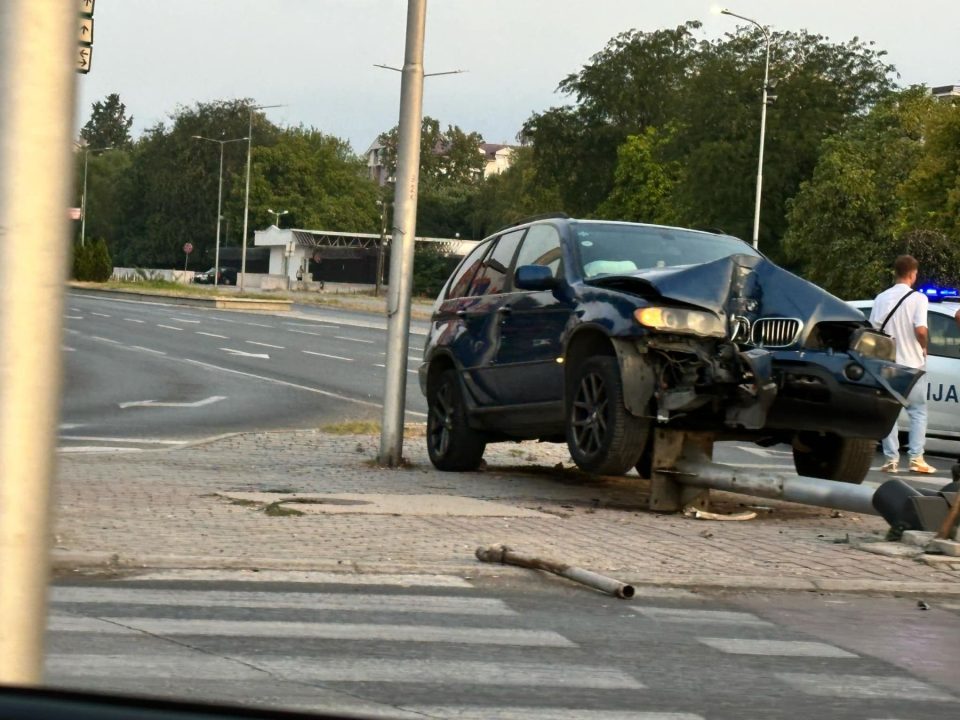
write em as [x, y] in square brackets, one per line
[590, 414]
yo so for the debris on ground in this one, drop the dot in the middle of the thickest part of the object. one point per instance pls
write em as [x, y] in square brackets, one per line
[508, 556]
[697, 514]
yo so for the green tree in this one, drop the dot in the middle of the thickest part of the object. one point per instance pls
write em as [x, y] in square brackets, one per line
[849, 221]
[450, 157]
[643, 185]
[109, 125]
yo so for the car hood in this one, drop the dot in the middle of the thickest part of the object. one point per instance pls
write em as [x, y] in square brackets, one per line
[745, 285]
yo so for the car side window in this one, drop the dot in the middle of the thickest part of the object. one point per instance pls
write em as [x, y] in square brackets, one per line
[491, 279]
[541, 246]
[466, 271]
[944, 336]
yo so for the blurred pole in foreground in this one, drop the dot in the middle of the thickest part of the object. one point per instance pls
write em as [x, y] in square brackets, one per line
[38, 44]
[404, 231]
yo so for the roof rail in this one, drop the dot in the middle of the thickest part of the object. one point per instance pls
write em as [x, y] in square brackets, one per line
[532, 218]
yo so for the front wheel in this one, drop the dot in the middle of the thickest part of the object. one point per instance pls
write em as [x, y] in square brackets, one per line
[451, 443]
[603, 437]
[832, 457]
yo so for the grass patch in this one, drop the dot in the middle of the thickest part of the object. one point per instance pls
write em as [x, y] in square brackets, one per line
[352, 427]
[278, 510]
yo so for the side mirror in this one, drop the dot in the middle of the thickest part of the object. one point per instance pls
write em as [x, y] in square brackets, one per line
[534, 277]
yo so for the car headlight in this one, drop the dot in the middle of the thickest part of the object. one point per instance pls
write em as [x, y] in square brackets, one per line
[871, 343]
[690, 322]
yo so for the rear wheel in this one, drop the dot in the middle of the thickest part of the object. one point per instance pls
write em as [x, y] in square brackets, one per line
[603, 437]
[832, 457]
[451, 443]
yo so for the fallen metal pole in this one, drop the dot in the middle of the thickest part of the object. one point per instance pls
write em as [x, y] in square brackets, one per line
[508, 556]
[774, 485]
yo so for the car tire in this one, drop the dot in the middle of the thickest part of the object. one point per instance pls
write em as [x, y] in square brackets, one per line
[602, 436]
[451, 443]
[832, 457]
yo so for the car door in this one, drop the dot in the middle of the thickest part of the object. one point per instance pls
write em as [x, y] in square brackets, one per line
[532, 325]
[943, 374]
[479, 314]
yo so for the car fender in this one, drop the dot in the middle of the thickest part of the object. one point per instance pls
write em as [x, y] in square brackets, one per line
[636, 376]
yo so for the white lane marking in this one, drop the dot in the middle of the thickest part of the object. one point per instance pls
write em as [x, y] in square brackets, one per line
[169, 327]
[356, 340]
[139, 441]
[307, 332]
[153, 403]
[134, 320]
[763, 452]
[253, 324]
[296, 386]
[713, 617]
[868, 687]
[313, 325]
[73, 309]
[263, 344]
[103, 339]
[222, 337]
[71, 332]
[184, 320]
[99, 314]
[67, 348]
[332, 357]
[483, 712]
[243, 353]
[73, 317]
[780, 648]
[95, 449]
[74, 623]
[379, 365]
[308, 576]
[413, 372]
[141, 348]
[345, 631]
[400, 603]
[467, 672]
[70, 426]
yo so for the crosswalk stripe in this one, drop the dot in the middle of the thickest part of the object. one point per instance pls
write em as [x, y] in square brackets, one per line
[783, 648]
[306, 576]
[60, 667]
[480, 712]
[398, 603]
[866, 687]
[470, 672]
[335, 631]
[76, 623]
[713, 617]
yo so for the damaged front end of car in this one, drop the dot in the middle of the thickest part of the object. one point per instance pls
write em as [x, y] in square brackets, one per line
[743, 348]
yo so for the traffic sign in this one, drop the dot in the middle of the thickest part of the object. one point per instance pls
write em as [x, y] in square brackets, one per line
[188, 248]
[85, 7]
[84, 59]
[85, 31]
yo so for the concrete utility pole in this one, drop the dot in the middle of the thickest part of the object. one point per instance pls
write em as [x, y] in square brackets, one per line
[38, 46]
[404, 232]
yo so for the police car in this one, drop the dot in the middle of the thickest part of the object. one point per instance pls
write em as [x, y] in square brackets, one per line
[943, 362]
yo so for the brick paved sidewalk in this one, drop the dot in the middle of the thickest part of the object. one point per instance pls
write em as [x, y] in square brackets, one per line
[162, 509]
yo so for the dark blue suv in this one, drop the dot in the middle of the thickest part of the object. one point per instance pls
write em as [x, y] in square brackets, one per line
[594, 333]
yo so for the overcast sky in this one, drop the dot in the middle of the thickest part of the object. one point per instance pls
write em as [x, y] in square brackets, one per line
[317, 56]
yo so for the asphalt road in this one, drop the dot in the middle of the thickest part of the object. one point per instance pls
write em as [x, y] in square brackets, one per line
[142, 375]
[528, 647]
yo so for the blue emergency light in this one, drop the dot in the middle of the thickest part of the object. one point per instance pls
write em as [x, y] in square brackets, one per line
[938, 294]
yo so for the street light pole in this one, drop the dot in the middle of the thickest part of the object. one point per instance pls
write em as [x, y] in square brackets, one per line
[404, 233]
[83, 195]
[763, 122]
[278, 215]
[216, 261]
[246, 193]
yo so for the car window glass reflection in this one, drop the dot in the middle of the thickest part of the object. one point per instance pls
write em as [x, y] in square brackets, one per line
[492, 277]
[610, 249]
[944, 336]
[541, 246]
[463, 276]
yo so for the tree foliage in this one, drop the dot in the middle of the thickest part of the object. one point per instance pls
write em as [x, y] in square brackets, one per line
[92, 262]
[677, 121]
[878, 191]
[109, 125]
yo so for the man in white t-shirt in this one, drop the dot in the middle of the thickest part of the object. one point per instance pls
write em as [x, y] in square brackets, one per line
[901, 312]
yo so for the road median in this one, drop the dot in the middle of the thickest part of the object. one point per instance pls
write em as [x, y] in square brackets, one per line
[219, 302]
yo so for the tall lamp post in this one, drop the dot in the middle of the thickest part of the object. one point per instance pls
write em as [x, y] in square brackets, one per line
[246, 192]
[278, 215]
[83, 196]
[216, 261]
[763, 118]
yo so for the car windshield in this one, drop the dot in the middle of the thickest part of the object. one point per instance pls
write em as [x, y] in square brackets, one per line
[616, 248]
